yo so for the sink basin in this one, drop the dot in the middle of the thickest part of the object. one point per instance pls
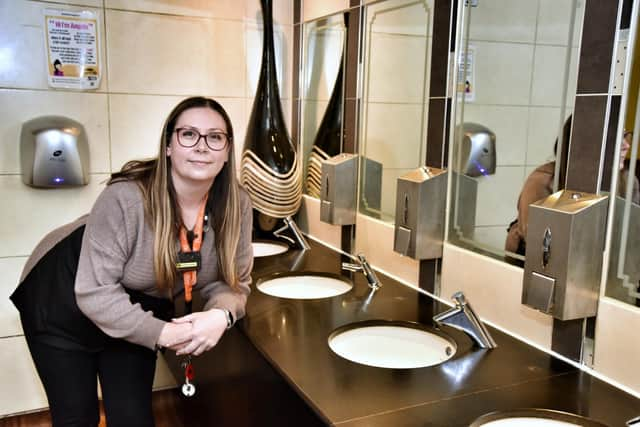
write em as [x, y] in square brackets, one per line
[261, 249]
[388, 344]
[303, 285]
[534, 418]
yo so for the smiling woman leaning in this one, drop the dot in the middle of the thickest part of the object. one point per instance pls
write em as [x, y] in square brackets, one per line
[96, 296]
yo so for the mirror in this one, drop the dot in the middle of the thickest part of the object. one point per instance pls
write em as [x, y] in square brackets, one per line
[623, 277]
[395, 95]
[322, 85]
[516, 83]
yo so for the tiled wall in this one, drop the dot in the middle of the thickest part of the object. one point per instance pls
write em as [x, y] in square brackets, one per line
[520, 54]
[154, 54]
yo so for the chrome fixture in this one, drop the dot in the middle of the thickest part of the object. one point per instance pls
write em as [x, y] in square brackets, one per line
[338, 189]
[364, 266]
[478, 149]
[463, 317]
[565, 240]
[298, 239]
[420, 205]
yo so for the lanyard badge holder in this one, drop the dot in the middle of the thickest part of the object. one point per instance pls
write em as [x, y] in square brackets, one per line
[189, 261]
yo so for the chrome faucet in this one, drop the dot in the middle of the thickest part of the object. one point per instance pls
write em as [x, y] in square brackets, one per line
[298, 238]
[364, 266]
[463, 317]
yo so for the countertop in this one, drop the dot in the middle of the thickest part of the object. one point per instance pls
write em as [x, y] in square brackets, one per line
[292, 335]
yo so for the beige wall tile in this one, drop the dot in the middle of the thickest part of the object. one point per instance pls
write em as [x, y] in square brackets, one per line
[204, 59]
[22, 43]
[309, 222]
[496, 81]
[21, 387]
[397, 65]
[498, 196]
[136, 126]
[402, 17]
[375, 239]
[549, 75]
[394, 134]
[92, 3]
[18, 106]
[544, 124]
[494, 289]
[33, 213]
[504, 20]
[322, 53]
[510, 126]
[493, 236]
[314, 9]
[227, 9]
[617, 351]
[554, 18]
[9, 316]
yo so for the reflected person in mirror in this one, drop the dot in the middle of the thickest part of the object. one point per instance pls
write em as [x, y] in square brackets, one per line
[96, 296]
[539, 184]
[623, 175]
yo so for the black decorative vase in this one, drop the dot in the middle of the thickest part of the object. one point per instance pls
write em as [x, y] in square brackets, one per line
[328, 140]
[270, 168]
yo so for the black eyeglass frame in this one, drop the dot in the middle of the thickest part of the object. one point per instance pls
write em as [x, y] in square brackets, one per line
[200, 136]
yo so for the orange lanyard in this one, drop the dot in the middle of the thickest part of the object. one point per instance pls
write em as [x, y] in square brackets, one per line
[190, 277]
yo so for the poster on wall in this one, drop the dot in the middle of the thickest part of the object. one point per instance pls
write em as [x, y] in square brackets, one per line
[72, 49]
[466, 74]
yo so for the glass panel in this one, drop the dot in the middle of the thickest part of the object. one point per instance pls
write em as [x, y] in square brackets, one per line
[397, 55]
[324, 42]
[517, 79]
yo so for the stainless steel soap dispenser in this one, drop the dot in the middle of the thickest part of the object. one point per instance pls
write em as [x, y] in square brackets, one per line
[338, 189]
[563, 262]
[54, 152]
[420, 211]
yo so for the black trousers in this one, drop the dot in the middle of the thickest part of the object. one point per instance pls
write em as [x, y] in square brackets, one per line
[69, 377]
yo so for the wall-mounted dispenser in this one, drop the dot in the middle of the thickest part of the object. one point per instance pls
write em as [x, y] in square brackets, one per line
[478, 150]
[420, 211]
[338, 190]
[563, 262]
[54, 152]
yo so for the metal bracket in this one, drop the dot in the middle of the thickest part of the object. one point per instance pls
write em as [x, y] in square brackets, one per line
[620, 61]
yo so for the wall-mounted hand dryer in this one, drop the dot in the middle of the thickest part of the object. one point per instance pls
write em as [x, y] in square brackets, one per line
[54, 152]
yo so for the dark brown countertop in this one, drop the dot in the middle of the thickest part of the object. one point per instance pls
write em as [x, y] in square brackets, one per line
[292, 335]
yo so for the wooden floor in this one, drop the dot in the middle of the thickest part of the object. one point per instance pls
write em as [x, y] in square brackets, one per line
[165, 411]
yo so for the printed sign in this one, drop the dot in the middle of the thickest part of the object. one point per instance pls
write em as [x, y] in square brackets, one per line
[466, 74]
[71, 40]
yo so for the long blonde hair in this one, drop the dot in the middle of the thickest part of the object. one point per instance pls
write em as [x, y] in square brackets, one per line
[163, 213]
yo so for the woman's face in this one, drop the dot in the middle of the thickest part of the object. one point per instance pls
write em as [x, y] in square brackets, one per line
[626, 144]
[197, 164]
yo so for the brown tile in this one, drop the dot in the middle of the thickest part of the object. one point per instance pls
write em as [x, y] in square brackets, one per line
[435, 132]
[353, 49]
[295, 74]
[295, 125]
[586, 141]
[609, 151]
[351, 109]
[353, 3]
[598, 35]
[566, 338]
[427, 275]
[297, 11]
[440, 48]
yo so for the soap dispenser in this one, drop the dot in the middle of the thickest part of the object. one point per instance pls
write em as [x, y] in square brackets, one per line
[338, 189]
[54, 152]
[420, 213]
[563, 261]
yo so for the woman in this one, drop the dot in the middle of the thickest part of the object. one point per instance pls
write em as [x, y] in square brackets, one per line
[124, 258]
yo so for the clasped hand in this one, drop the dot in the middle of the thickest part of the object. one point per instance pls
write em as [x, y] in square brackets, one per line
[194, 333]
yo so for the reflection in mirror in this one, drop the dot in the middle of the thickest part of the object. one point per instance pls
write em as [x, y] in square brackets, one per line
[322, 95]
[397, 56]
[517, 77]
[623, 278]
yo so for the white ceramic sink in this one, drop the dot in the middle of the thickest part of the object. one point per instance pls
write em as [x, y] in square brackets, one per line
[534, 418]
[261, 249]
[304, 286]
[385, 344]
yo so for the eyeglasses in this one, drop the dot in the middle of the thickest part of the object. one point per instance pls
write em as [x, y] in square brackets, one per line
[189, 137]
